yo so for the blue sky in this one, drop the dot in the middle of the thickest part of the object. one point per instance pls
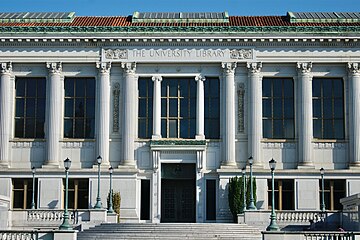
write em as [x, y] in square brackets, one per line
[127, 7]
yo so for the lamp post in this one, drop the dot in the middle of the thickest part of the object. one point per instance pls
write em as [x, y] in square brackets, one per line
[243, 171]
[65, 225]
[322, 205]
[98, 204]
[273, 226]
[251, 205]
[33, 170]
[111, 210]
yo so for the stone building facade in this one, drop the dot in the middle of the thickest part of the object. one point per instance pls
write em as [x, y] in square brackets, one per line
[176, 104]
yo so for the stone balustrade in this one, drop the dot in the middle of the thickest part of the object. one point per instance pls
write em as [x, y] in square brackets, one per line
[18, 235]
[329, 236]
[49, 215]
[299, 216]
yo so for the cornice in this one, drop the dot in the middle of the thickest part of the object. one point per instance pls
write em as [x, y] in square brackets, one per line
[180, 29]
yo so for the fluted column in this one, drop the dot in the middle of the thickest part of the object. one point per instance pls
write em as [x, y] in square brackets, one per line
[229, 143]
[354, 119]
[129, 127]
[5, 119]
[200, 105]
[103, 112]
[157, 107]
[305, 126]
[255, 112]
[53, 100]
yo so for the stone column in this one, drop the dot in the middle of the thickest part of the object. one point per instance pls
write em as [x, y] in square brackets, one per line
[157, 107]
[200, 105]
[103, 112]
[229, 133]
[129, 121]
[5, 105]
[305, 126]
[354, 119]
[255, 113]
[53, 114]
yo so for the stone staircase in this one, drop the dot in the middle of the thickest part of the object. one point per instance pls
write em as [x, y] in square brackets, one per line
[171, 231]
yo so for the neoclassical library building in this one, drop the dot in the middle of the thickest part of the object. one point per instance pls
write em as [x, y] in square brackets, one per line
[176, 104]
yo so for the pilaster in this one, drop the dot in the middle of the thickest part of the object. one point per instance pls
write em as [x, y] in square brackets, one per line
[229, 133]
[305, 126]
[200, 105]
[354, 119]
[255, 112]
[103, 111]
[129, 123]
[157, 107]
[5, 119]
[53, 115]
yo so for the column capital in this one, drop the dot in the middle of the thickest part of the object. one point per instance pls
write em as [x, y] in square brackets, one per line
[254, 67]
[200, 78]
[6, 67]
[229, 67]
[156, 78]
[129, 67]
[54, 67]
[353, 68]
[304, 67]
[104, 67]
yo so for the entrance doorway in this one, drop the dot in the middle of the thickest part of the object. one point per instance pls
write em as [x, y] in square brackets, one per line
[178, 201]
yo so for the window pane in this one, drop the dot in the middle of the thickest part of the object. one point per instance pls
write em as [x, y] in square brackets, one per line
[19, 128]
[80, 87]
[338, 88]
[288, 88]
[173, 88]
[163, 107]
[40, 128]
[328, 129]
[69, 107]
[30, 127]
[142, 128]
[79, 107]
[31, 88]
[142, 107]
[267, 129]
[40, 111]
[277, 108]
[184, 107]
[19, 107]
[172, 128]
[69, 87]
[184, 128]
[339, 129]
[30, 107]
[41, 88]
[278, 129]
[266, 88]
[192, 107]
[316, 87]
[327, 88]
[68, 128]
[89, 128]
[288, 108]
[18, 199]
[20, 87]
[214, 108]
[317, 128]
[192, 128]
[164, 128]
[328, 108]
[267, 108]
[289, 128]
[173, 107]
[317, 108]
[79, 128]
[90, 88]
[183, 88]
[277, 87]
[90, 108]
[338, 108]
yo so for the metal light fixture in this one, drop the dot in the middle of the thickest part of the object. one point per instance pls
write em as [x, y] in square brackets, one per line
[98, 204]
[273, 226]
[33, 171]
[251, 205]
[110, 209]
[322, 205]
[243, 171]
[65, 225]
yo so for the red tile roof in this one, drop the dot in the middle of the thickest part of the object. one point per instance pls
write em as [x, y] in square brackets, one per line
[118, 21]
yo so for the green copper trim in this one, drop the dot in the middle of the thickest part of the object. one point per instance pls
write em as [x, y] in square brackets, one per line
[182, 29]
[178, 142]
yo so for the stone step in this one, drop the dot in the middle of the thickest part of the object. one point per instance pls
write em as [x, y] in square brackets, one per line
[171, 231]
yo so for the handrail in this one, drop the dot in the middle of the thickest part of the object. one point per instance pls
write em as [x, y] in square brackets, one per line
[49, 215]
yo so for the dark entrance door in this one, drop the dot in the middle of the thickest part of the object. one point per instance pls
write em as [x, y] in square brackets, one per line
[178, 193]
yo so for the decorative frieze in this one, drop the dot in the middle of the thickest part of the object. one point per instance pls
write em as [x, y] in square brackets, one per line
[116, 53]
[241, 54]
[116, 107]
[241, 94]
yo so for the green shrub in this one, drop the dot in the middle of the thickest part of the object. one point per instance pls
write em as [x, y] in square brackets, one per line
[235, 196]
[116, 199]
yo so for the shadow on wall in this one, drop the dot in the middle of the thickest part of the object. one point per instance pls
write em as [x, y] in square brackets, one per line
[53, 204]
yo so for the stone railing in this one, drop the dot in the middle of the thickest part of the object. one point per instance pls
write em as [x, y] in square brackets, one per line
[18, 235]
[299, 216]
[329, 236]
[50, 216]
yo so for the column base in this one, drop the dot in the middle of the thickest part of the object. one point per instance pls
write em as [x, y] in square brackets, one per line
[200, 137]
[355, 165]
[228, 165]
[50, 165]
[4, 165]
[128, 168]
[305, 166]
